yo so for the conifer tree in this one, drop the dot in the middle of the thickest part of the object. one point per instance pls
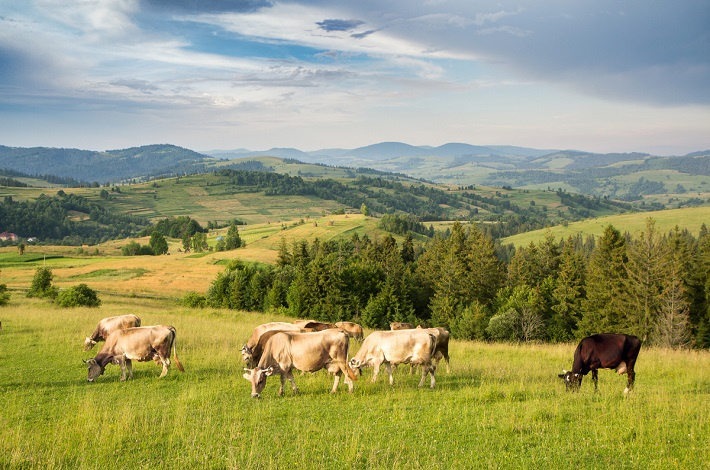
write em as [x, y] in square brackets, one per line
[603, 311]
[567, 295]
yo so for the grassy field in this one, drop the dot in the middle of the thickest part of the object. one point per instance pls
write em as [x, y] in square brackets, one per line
[502, 405]
[690, 218]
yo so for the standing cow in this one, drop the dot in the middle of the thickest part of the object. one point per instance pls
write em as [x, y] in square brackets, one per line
[108, 326]
[308, 352]
[248, 349]
[352, 329]
[409, 346]
[135, 344]
[605, 351]
[401, 326]
[442, 345]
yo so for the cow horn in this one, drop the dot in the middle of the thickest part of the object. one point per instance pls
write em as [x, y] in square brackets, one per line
[84, 361]
[564, 371]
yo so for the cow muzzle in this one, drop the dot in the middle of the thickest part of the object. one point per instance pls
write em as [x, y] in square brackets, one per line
[255, 395]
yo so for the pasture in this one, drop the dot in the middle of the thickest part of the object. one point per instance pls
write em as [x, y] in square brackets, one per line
[502, 406]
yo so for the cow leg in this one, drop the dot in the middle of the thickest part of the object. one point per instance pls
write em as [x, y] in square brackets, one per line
[129, 366]
[375, 370]
[166, 366]
[388, 366]
[283, 381]
[595, 378]
[632, 378]
[121, 361]
[289, 375]
[336, 381]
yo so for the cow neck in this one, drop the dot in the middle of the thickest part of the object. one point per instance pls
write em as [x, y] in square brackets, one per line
[96, 335]
[103, 359]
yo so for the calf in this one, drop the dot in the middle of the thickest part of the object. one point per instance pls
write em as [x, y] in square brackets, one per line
[308, 352]
[397, 347]
[140, 344]
[605, 351]
[108, 326]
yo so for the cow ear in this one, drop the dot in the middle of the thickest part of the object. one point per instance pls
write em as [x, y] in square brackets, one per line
[247, 376]
[562, 376]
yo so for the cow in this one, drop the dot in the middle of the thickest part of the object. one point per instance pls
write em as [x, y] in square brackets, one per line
[409, 346]
[135, 344]
[108, 326]
[401, 326]
[442, 345]
[312, 326]
[352, 329]
[308, 352]
[248, 348]
[606, 351]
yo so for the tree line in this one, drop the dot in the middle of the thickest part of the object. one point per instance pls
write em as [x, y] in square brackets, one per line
[653, 285]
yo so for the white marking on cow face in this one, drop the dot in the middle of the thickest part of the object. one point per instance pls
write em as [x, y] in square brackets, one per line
[572, 380]
[257, 377]
[89, 343]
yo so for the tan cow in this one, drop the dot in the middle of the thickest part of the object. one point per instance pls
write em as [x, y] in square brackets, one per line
[352, 329]
[409, 346]
[248, 349]
[401, 326]
[108, 326]
[135, 344]
[442, 345]
[313, 325]
[308, 352]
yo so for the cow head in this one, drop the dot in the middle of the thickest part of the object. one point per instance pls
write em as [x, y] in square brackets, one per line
[257, 377]
[356, 365]
[88, 344]
[95, 369]
[572, 380]
[247, 354]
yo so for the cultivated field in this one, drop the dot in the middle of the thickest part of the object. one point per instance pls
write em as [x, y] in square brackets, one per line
[502, 406]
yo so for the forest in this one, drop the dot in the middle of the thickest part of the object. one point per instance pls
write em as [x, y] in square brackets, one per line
[654, 285]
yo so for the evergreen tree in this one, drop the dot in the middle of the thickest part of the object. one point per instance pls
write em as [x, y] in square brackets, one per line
[284, 257]
[567, 294]
[233, 240]
[603, 311]
[407, 252]
[646, 269]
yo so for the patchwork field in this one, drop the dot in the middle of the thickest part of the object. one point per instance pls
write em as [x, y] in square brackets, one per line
[502, 405]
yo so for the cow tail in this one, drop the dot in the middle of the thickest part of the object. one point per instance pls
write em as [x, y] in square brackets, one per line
[177, 361]
[350, 372]
[432, 345]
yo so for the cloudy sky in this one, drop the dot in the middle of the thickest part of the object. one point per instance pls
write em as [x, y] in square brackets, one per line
[602, 75]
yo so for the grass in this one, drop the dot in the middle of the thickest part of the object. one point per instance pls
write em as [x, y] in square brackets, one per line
[690, 218]
[502, 405]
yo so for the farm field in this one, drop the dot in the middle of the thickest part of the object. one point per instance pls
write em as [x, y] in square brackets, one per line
[502, 405]
[690, 218]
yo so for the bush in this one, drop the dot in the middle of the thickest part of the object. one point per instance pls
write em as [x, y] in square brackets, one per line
[4, 295]
[194, 300]
[80, 295]
[42, 285]
[471, 323]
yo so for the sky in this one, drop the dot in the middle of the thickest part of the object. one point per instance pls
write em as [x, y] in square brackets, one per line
[601, 76]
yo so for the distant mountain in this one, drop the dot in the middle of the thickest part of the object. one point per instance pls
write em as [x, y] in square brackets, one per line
[108, 166]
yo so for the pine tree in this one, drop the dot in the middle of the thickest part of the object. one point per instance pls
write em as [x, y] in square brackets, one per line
[233, 240]
[604, 309]
[567, 295]
[646, 269]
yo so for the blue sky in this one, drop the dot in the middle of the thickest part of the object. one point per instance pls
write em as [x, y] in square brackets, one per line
[603, 75]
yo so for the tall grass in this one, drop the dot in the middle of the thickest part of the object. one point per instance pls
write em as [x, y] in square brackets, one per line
[502, 405]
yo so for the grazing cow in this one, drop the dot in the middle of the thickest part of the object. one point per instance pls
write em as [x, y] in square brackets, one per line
[401, 326]
[352, 329]
[308, 352]
[397, 347]
[606, 351]
[248, 349]
[108, 326]
[442, 345]
[135, 344]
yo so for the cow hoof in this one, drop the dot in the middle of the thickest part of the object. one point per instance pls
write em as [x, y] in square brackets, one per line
[626, 391]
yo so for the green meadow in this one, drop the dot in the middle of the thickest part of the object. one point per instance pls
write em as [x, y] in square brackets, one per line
[502, 405]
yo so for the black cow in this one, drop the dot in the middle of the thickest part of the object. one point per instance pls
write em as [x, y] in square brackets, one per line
[606, 351]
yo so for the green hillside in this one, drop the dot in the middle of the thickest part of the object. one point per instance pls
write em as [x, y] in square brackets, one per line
[691, 218]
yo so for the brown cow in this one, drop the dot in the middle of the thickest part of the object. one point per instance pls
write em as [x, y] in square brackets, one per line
[312, 326]
[605, 351]
[409, 346]
[442, 345]
[248, 349]
[108, 326]
[135, 344]
[401, 326]
[352, 329]
[308, 352]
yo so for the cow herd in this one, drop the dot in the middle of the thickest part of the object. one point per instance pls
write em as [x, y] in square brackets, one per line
[309, 346]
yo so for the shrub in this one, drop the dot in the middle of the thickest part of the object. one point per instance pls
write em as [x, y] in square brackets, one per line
[42, 284]
[4, 295]
[194, 300]
[80, 295]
